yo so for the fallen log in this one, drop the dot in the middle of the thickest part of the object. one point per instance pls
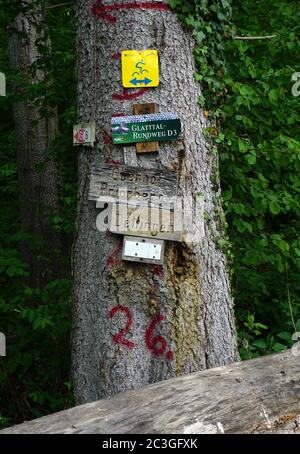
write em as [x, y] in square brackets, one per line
[256, 396]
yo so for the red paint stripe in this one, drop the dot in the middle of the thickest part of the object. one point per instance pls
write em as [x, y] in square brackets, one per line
[101, 11]
[170, 356]
[112, 260]
[107, 139]
[116, 56]
[114, 162]
[158, 270]
[126, 96]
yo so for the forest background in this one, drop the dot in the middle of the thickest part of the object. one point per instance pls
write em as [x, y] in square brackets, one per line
[247, 95]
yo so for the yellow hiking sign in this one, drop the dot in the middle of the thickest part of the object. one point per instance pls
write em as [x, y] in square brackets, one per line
[140, 68]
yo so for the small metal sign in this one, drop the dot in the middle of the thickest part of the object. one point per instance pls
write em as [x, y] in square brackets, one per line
[140, 68]
[132, 185]
[84, 134]
[148, 222]
[145, 128]
[137, 249]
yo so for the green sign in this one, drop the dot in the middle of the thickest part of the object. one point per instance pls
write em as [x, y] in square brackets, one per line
[145, 128]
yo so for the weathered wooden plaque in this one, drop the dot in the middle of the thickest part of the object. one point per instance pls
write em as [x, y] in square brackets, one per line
[139, 109]
[145, 222]
[132, 185]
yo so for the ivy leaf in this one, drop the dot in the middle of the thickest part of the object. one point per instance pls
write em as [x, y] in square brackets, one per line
[274, 207]
[260, 343]
[251, 158]
[278, 347]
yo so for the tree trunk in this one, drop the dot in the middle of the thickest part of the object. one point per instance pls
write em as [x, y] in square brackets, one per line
[187, 300]
[35, 131]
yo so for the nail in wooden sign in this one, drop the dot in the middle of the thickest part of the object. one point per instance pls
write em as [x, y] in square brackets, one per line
[145, 128]
[149, 222]
[137, 249]
[132, 185]
[140, 68]
[84, 134]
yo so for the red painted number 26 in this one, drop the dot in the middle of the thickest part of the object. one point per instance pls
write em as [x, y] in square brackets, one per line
[157, 345]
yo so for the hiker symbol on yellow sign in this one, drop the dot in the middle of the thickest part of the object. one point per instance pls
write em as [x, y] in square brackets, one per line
[140, 68]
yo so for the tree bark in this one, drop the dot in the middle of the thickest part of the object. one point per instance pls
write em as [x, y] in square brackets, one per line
[35, 132]
[256, 396]
[191, 291]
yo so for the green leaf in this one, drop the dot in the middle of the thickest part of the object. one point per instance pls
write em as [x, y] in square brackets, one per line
[278, 347]
[251, 158]
[285, 335]
[274, 207]
[260, 343]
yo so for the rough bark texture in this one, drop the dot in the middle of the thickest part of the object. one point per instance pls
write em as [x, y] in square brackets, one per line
[191, 291]
[257, 396]
[38, 176]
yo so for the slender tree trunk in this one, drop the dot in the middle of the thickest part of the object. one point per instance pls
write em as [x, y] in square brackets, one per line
[191, 291]
[35, 131]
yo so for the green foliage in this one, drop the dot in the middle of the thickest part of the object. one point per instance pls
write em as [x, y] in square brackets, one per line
[255, 124]
[35, 374]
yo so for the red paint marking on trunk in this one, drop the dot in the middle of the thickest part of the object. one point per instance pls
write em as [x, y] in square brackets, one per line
[158, 270]
[112, 259]
[102, 11]
[118, 115]
[114, 162]
[107, 139]
[126, 96]
[170, 356]
[158, 344]
[119, 338]
[116, 56]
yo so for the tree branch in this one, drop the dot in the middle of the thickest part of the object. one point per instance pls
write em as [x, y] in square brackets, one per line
[254, 37]
[59, 4]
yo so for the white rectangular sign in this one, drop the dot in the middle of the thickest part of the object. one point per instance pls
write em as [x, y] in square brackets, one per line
[144, 250]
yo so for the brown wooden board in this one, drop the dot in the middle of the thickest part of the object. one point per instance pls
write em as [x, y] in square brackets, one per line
[110, 183]
[155, 223]
[140, 109]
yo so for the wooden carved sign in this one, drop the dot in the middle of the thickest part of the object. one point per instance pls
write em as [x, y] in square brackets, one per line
[145, 128]
[148, 222]
[132, 185]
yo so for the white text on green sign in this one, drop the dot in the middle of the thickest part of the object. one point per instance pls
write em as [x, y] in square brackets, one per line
[145, 128]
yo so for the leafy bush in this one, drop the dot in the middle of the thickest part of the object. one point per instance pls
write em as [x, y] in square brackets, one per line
[254, 116]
